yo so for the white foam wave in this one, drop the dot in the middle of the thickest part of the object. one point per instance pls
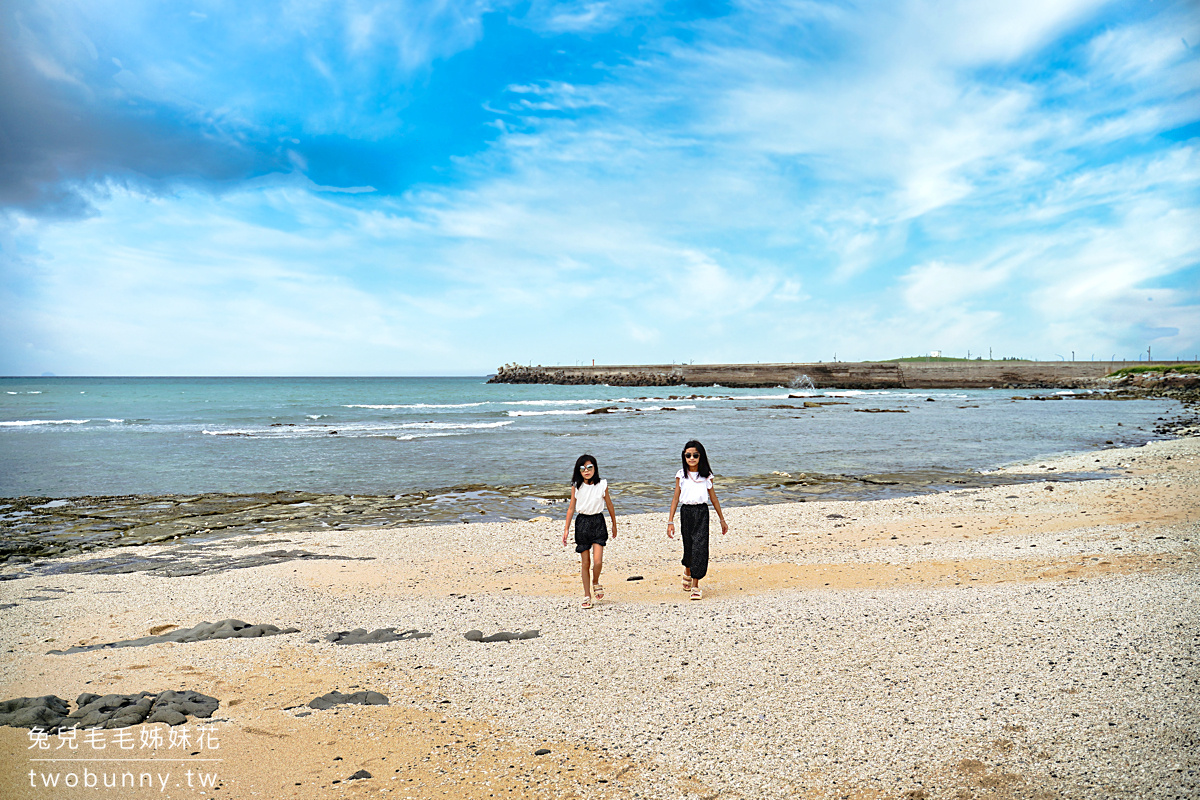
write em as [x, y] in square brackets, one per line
[297, 431]
[577, 412]
[21, 423]
[783, 396]
[455, 425]
[385, 406]
[316, 416]
[547, 413]
[408, 437]
[558, 402]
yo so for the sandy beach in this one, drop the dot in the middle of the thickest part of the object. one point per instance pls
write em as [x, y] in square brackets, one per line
[1031, 641]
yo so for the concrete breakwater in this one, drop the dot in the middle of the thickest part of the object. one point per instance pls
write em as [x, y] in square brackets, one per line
[833, 375]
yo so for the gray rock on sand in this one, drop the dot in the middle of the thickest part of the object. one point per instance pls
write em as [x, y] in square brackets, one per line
[360, 775]
[502, 636]
[336, 698]
[225, 629]
[106, 711]
[28, 712]
[360, 636]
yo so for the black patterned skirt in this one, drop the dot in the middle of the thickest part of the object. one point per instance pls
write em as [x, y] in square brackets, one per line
[693, 525]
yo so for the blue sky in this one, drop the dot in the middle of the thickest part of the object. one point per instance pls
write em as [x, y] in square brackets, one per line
[437, 188]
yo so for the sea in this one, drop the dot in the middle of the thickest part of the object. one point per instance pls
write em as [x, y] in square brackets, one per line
[464, 439]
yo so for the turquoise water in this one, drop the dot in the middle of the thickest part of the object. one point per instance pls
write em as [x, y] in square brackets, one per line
[105, 436]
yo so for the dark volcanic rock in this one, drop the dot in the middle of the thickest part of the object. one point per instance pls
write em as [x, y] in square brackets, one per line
[502, 636]
[360, 636]
[336, 698]
[27, 712]
[106, 711]
[225, 629]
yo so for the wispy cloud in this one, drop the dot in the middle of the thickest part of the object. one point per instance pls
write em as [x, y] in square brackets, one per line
[761, 181]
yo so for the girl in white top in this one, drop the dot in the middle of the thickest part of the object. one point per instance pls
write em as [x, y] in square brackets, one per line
[693, 490]
[589, 497]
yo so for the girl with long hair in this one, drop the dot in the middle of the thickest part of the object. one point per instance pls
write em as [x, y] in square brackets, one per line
[693, 490]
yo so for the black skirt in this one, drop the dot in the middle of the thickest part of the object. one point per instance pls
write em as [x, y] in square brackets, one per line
[589, 530]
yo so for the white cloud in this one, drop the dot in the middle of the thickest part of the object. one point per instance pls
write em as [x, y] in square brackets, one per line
[936, 286]
[584, 16]
[792, 180]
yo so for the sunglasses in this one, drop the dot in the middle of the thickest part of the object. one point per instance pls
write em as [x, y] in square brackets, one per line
[586, 467]
[691, 455]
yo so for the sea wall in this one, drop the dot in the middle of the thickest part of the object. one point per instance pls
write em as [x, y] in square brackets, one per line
[834, 375]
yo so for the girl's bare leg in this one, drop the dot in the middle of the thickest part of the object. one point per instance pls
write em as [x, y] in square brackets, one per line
[598, 563]
[585, 561]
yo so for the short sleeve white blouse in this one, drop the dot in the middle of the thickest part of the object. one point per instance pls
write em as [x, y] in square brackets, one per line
[589, 497]
[693, 490]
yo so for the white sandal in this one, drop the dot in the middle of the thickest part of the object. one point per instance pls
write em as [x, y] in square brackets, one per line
[598, 591]
[587, 603]
[697, 594]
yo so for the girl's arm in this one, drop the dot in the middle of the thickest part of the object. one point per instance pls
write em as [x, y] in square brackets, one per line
[612, 514]
[570, 513]
[712, 495]
[671, 513]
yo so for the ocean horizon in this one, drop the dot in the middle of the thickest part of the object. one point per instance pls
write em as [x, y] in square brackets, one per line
[157, 435]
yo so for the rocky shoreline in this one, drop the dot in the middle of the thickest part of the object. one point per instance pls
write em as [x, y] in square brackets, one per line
[109, 528]
[1027, 641]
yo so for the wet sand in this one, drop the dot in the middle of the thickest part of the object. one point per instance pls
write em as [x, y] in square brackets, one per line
[1036, 640]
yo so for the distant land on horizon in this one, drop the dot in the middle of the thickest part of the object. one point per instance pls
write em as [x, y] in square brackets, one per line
[934, 373]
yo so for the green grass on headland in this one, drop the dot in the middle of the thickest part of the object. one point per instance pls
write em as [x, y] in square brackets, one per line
[1186, 369]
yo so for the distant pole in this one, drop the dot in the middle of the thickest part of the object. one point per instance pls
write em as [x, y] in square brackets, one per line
[1072, 355]
[989, 354]
[1147, 352]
